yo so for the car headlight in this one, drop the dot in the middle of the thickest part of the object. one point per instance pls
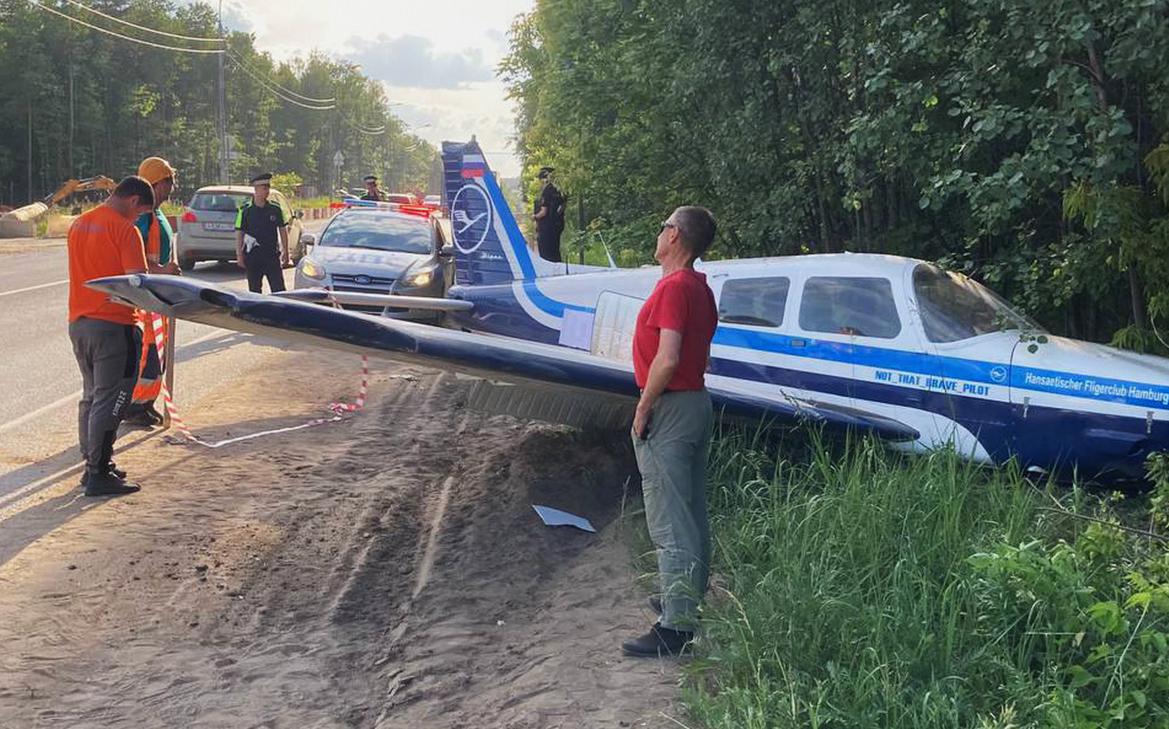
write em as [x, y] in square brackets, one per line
[311, 269]
[419, 279]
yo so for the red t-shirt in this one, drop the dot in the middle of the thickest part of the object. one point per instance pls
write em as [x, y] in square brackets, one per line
[683, 302]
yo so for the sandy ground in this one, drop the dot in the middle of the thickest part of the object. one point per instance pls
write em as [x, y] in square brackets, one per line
[387, 571]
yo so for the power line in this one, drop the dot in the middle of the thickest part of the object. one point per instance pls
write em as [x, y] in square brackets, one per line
[365, 130]
[124, 37]
[277, 94]
[255, 74]
[143, 27]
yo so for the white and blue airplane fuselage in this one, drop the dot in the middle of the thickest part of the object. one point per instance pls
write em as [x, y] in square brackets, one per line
[891, 336]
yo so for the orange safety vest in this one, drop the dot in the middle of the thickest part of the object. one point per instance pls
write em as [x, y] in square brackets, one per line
[150, 364]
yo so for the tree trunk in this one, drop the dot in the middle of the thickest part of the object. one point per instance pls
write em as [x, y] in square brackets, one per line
[1137, 296]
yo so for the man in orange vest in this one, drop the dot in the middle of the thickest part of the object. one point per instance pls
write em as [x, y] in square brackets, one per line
[159, 240]
[103, 242]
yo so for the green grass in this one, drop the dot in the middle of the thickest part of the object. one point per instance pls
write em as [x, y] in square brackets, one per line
[305, 203]
[859, 588]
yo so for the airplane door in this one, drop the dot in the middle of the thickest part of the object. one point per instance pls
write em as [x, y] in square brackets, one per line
[969, 385]
[932, 395]
[835, 317]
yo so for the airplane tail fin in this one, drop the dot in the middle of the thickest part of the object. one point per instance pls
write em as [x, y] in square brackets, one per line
[489, 247]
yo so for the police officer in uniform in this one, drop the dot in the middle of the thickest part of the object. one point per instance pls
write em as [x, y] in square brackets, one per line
[261, 238]
[371, 190]
[549, 217]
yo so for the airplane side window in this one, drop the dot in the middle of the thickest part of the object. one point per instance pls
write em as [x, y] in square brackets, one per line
[855, 305]
[755, 301]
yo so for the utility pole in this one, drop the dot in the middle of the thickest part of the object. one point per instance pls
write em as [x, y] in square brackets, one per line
[222, 120]
[72, 167]
[30, 195]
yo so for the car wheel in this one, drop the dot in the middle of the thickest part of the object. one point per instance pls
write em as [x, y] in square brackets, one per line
[187, 264]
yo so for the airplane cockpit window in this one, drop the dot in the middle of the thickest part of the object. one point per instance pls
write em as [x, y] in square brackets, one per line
[756, 301]
[953, 307]
[854, 305]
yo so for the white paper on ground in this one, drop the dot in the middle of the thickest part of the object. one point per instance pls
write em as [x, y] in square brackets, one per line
[556, 517]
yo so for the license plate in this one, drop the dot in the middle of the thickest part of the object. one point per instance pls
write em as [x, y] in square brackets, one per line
[218, 226]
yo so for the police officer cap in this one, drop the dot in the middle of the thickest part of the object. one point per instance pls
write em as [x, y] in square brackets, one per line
[370, 178]
[264, 178]
[544, 172]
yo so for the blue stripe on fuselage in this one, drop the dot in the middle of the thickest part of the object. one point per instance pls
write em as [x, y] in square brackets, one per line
[523, 256]
[1024, 378]
[1092, 442]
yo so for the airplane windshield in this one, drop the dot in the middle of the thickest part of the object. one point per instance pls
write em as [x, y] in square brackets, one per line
[378, 231]
[954, 307]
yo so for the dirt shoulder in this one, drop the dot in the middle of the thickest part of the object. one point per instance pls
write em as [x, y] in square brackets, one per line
[387, 571]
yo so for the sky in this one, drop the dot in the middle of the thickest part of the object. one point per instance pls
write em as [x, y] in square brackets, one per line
[436, 59]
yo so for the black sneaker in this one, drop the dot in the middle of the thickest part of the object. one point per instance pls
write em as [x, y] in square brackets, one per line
[659, 642]
[139, 419]
[119, 473]
[107, 484]
[153, 414]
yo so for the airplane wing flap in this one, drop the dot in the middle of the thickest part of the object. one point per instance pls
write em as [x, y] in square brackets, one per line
[358, 298]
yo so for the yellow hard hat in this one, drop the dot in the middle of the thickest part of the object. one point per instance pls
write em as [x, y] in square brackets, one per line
[155, 170]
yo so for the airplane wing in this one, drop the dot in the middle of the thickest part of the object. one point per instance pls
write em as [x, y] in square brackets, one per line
[478, 354]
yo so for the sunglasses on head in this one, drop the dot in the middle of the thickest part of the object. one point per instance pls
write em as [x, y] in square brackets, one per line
[665, 225]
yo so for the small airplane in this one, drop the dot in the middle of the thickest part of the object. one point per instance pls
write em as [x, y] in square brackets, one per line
[895, 347]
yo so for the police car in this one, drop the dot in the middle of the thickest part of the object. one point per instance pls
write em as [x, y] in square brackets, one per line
[378, 248]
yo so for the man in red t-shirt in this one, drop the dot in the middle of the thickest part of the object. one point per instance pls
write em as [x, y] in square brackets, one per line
[673, 424]
[104, 242]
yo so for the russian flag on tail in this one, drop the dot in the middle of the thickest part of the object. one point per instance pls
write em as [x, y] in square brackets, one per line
[473, 165]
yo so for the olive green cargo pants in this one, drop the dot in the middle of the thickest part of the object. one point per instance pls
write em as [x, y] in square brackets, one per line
[672, 461]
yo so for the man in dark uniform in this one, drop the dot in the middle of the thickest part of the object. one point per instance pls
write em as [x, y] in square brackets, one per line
[261, 238]
[371, 190]
[549, 217]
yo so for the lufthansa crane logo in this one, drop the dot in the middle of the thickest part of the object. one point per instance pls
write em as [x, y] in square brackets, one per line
[470, 218]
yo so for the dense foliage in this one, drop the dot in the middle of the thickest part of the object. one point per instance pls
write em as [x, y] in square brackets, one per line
[866, 589]
[1021, 142]
[98, 105]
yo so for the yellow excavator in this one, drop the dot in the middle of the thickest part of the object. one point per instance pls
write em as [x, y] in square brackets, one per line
[70, 187]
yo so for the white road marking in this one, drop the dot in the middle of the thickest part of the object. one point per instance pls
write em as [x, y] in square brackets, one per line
[75, 396]
[34, 288]
[13, 496]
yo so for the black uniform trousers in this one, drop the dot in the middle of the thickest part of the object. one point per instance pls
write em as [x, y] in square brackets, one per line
[264, 263]
[548, 243]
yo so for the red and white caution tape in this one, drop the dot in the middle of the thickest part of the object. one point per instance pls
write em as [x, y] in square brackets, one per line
[339, 409]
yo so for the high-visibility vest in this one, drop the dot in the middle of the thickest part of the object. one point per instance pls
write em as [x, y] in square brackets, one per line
[150, 364]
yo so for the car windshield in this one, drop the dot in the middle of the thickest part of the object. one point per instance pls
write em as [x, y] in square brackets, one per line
[954, 307]
[220, 202]
[379, 231]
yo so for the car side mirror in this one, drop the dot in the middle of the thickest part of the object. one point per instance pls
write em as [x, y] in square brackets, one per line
[308, 239]
[447, 250]
[298, 214]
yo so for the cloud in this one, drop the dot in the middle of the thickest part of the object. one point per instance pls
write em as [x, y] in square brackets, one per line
[412, 60]
[235, 18]
[235, 15]
[479, 108]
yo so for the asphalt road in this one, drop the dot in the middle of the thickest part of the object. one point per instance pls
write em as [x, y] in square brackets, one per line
[41, 384]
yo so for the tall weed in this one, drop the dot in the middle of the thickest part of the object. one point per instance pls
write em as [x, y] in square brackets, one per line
[860, 588]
